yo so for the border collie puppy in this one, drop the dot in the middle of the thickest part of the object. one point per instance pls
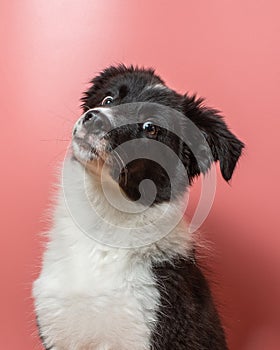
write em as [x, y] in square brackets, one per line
[119, 271]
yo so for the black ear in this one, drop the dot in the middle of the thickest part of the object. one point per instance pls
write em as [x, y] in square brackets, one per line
[224, 145]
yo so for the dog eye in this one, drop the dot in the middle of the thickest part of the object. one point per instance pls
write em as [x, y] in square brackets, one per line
[150, 129]
[107, 101]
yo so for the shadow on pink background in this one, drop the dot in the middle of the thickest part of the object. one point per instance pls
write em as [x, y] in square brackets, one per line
[227, 51]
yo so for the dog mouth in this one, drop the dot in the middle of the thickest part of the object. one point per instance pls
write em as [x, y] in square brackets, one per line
[88, 149]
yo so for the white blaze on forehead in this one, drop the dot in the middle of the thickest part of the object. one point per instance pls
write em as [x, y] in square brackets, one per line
[105, 110]
[157, 87]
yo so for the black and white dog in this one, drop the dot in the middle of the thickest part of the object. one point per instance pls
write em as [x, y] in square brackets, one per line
[119, 272]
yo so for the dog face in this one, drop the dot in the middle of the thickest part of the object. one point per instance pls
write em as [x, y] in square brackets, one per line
[138, 129]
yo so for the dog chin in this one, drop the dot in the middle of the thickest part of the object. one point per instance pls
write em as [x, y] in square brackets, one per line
[92, 158]
[83, 151]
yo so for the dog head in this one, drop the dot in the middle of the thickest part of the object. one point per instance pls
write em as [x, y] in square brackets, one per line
[143, 132]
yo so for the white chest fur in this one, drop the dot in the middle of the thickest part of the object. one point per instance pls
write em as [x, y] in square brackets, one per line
[95, 297]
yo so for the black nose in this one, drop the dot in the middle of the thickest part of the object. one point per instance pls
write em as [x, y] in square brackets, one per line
[95, 121]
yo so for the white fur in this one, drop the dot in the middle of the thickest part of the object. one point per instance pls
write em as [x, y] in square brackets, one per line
[93, 296]
[157, 86]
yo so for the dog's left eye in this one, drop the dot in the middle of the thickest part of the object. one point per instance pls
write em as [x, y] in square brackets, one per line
[107, 101]
[150, 129]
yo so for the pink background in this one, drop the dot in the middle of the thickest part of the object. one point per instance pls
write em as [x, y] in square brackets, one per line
[225, 50]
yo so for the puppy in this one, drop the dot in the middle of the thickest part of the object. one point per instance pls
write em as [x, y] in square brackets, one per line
[119, 271]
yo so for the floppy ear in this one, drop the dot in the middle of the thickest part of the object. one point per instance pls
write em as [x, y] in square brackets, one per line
[224, 145]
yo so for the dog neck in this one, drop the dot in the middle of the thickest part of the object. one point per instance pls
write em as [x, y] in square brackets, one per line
[159, 228]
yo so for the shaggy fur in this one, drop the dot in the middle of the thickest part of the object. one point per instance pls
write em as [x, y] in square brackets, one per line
[95, 290]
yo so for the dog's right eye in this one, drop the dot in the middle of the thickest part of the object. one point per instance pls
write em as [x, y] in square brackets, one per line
[107, 101]
[150, 129]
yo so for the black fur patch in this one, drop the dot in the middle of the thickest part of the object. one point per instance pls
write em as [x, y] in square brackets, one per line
[131, 84]
[187, 318]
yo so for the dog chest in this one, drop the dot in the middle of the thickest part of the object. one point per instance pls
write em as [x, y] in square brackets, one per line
[96, 297]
